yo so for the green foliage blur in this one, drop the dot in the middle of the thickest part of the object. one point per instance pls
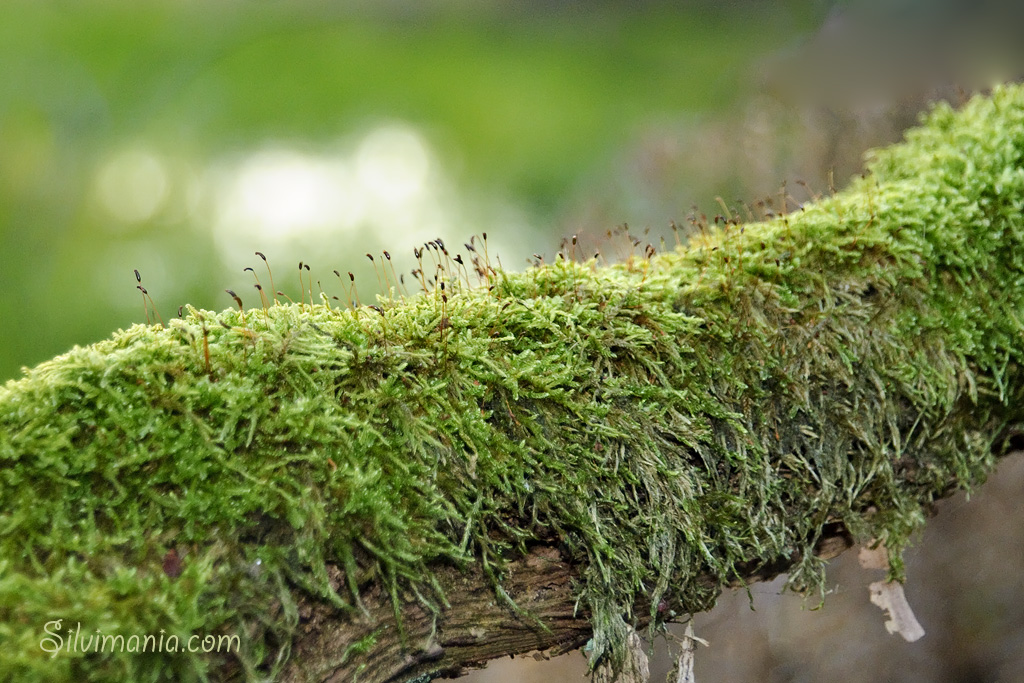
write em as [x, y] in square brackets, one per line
[517, 103]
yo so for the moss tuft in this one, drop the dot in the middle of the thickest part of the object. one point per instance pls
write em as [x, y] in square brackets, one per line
[700, 413]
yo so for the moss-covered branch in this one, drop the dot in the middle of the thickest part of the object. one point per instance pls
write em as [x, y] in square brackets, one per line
[667, 425]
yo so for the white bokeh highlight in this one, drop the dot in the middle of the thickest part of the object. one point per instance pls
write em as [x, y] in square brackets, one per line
[132, 186]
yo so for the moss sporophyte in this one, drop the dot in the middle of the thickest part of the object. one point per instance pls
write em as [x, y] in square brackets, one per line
[693, 413]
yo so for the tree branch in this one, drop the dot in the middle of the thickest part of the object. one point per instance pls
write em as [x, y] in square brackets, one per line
[553, 457]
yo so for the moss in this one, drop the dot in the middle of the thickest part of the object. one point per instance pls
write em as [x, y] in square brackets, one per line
[695, 414]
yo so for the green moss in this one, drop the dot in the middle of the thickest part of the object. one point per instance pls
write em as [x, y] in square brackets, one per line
[696, 414]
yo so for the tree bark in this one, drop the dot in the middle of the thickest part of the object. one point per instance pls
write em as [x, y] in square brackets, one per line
[473, 628]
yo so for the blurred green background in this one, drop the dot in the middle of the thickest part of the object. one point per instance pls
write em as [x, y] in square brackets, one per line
[179, 137]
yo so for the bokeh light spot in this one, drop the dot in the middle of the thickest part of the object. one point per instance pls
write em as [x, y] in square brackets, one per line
[133, 185]
[392, 162]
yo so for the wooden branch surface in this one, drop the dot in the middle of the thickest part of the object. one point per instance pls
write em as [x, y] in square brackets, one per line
[472, 630]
